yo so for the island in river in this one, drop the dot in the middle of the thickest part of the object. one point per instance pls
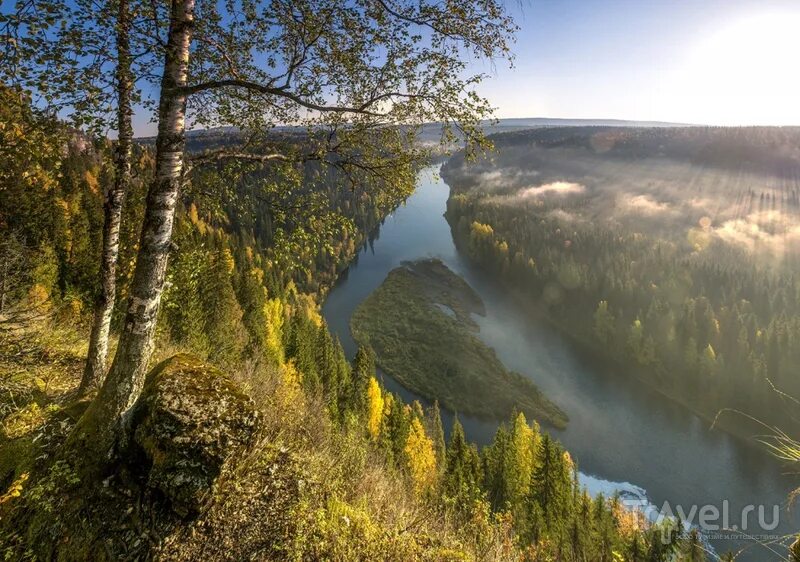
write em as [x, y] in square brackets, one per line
[419, 324]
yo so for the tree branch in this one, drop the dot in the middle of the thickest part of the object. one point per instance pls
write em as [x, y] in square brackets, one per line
[362, 109]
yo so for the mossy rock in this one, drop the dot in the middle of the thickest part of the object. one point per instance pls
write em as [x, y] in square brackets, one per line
[190, 425]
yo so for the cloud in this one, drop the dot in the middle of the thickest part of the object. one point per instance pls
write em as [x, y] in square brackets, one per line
[554, 188]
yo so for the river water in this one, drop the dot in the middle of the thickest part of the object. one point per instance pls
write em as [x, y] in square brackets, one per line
[625, 436]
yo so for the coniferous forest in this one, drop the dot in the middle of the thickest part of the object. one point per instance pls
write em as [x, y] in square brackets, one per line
[228, 305]
[169, 387]
[687, 279]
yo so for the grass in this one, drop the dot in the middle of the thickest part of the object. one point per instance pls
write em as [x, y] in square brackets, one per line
[419, 324]
[309, 490]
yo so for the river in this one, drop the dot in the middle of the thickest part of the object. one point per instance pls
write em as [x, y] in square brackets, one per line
[625, 436]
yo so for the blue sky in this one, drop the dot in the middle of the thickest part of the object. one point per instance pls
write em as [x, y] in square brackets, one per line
[721, 62]
[707, 61]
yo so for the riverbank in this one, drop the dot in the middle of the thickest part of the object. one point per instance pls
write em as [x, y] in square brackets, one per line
[419, 324]
[731, 422]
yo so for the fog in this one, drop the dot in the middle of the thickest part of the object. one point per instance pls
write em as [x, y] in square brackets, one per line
[714, 190]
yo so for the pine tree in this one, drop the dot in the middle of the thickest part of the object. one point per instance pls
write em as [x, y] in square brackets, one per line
[183, 307]
[495, 456]
[345, 377]
[604, 530]
[635, 549]
[603, 323]
[327, 368]
[708, 360]
[398, 425]
[302, 348]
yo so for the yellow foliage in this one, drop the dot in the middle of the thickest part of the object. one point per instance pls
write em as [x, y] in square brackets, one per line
[375, 405]
[195, 219]
[275, 315]
[38, 294]
[525, 444]
[629, 521]
[388, 402]
[227, 259]
[23, 421]
[308, 306]
[421, 458]
[290, 383]
[75, 307]
[569, 464]
[15, 490]
[259, 274]
[91, 182]
[481, 230]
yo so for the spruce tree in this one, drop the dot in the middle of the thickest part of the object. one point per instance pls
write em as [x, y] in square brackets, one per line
[252, 297]
[437, 434]
[301, 348]
[327, 369]
[363, 371]
[461, 481]
[495, 456]
[223, 315]
[550, 489]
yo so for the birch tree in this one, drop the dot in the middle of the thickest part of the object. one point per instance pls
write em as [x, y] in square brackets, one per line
[359, 77]
[76, 59]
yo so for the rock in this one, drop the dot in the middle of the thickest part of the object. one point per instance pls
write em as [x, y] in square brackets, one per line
[191, 425]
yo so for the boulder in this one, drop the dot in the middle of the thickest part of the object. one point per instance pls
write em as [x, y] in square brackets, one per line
[190, 426]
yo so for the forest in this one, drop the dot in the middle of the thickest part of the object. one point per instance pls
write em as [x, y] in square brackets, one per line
[168, 387]
[668, 251]
[516, 499]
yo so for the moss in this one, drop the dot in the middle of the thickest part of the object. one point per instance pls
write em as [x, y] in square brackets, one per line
[189, 423]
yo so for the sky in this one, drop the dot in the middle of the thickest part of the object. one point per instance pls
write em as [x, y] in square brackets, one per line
[716, 62]
[721, 62]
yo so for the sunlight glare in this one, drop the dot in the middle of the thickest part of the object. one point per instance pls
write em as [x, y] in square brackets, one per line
[745, 73]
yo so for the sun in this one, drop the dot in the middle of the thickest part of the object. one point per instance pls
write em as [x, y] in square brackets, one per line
[745, 73]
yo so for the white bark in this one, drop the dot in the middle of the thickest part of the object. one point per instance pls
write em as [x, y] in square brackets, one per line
[104, 306]
[106, 415]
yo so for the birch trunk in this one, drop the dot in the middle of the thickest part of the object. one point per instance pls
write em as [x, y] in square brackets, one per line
[104, 306]
[99, 428]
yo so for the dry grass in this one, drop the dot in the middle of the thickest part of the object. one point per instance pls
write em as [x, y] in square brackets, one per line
[310, 489]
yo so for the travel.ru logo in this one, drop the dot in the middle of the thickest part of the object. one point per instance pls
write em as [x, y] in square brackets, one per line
[754, 522]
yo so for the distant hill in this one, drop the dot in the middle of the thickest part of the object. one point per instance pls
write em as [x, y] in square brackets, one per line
[432, 131]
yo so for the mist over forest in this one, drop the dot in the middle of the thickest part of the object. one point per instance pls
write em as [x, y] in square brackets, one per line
[669, 251]
[696, 187]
